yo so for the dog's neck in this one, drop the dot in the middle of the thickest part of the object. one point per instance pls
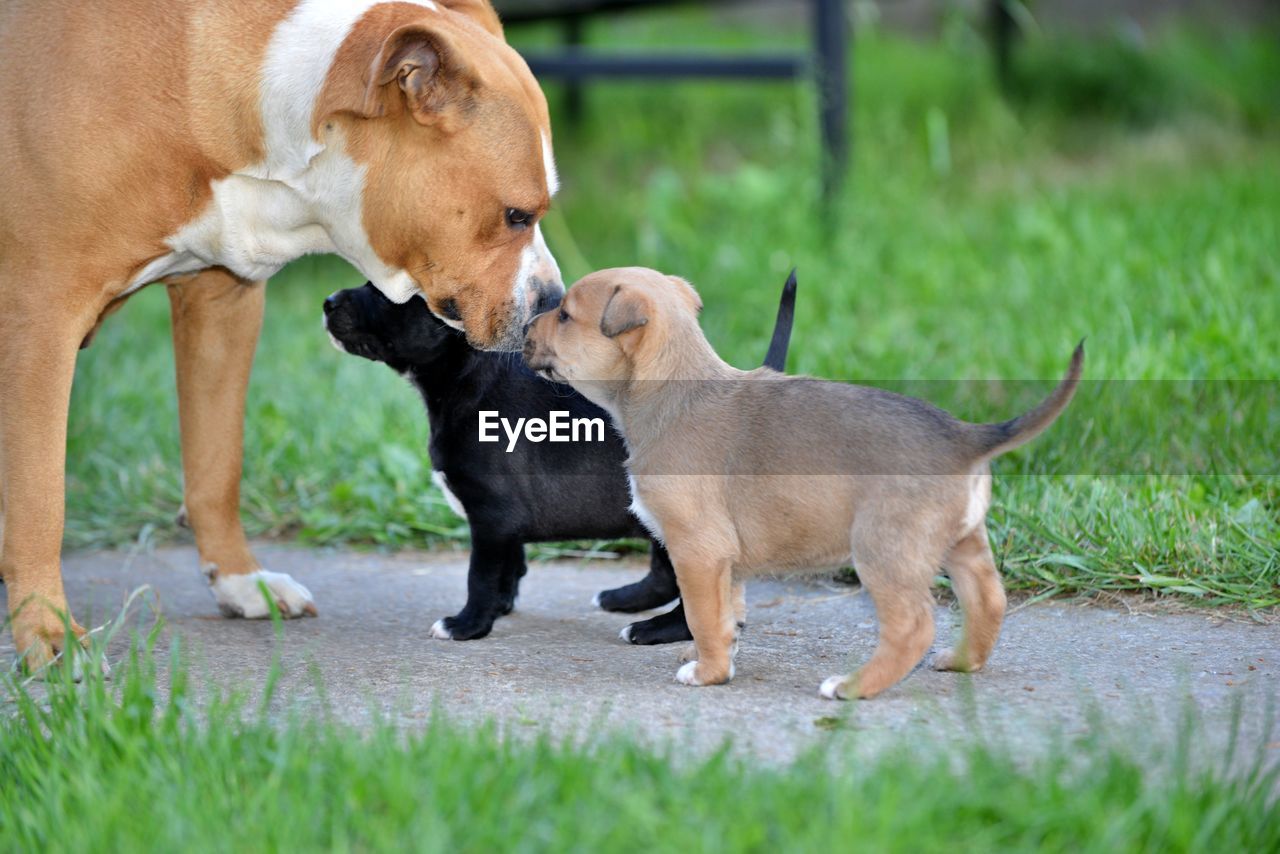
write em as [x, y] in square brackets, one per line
[668, 388]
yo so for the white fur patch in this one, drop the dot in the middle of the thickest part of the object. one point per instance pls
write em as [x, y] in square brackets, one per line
[830, 686]
[438, 478]
[549, 166]
[625, 634]
[687, 674]
[439, 631]
[979, 501]
[240, 596]
[595, 600]
[642, 513]
[307, 195]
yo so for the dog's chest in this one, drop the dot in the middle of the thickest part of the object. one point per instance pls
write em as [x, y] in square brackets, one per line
[641, 512]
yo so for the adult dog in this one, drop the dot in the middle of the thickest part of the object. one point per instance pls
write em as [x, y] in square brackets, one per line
[204, 144]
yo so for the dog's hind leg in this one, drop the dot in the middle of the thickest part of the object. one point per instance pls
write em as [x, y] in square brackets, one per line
[216, 321]
[670, 627]
[653, 591]
[899, 586]
[977, 584]
[41, 326]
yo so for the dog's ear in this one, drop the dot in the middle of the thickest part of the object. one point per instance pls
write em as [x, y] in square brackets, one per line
[479, 11]
[413, 68]
[627, 309]
[687, 293]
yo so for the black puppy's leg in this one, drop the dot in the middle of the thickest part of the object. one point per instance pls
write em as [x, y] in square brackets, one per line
[492, 563]
[653, 591]
[510, 584]
[670, 627]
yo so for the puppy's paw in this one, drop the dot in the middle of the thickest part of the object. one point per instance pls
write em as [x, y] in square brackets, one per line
[625, 634]
[834, 688]
[949, 660]
[462, 627]
[241, 595]
[693, 673]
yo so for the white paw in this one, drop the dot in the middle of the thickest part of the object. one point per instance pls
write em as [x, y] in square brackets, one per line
[440, 631]
[688, 673]
[595, 600]
[241, 596]
[625, 634]
[831, 688]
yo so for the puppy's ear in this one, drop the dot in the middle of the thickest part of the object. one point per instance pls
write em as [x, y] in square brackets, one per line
[687, 293]
[626, 310]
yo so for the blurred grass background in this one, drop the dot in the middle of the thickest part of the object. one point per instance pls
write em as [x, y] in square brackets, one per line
[1126, 189]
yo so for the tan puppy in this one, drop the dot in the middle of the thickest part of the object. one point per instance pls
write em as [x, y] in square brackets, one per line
[204, 144]
[748, 472]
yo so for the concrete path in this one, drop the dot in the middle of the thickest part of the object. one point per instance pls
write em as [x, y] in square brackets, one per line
[557, 663]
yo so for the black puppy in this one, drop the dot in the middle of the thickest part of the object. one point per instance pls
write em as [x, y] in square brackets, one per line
[515, 489]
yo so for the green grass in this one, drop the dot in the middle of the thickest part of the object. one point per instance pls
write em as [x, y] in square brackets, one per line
[978, 238]
[123, 766]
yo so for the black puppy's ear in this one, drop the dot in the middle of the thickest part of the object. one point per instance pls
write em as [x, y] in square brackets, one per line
[626, 310]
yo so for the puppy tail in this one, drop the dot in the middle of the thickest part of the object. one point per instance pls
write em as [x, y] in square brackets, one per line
[776, 358]
[996, 439]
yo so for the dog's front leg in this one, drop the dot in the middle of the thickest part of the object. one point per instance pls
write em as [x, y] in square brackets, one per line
[40, 330]
[216, 321]
[706, 589]
[495, 570]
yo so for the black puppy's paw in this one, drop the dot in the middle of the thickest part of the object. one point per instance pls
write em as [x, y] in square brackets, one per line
[462, 627]
[670, 627]
[641, 596]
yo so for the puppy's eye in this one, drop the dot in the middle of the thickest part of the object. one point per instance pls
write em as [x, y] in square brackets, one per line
[518, 219]
[564, 315]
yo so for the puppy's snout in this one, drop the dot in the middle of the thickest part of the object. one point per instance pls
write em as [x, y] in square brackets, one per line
[333, 301]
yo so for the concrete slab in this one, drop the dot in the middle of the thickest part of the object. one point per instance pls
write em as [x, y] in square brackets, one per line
[557, 662]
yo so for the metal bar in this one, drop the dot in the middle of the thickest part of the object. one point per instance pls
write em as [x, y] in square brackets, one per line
[830, 44]
[574, 36]
[578, 65]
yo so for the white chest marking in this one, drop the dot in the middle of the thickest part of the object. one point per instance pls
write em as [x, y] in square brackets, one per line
[641, 512]
[442, 482]
[306, 195]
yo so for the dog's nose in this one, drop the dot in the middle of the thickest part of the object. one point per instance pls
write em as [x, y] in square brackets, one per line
[333, 301]
[547, 300]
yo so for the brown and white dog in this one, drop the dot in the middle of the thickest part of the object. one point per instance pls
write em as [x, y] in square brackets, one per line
[204, 144]
[747, 472]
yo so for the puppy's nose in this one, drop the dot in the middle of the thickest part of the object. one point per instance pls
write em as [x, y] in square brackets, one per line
[334, 300]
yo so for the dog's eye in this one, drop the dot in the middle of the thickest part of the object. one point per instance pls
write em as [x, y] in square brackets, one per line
[564, 315]
[518, 219]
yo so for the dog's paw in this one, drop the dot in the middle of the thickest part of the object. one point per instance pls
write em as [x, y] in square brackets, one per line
[640, 596]
[834, 688]
[692, 673]
[688, 673]
[948, 660]
[625, 634]
[241, 595]
[460, 628]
